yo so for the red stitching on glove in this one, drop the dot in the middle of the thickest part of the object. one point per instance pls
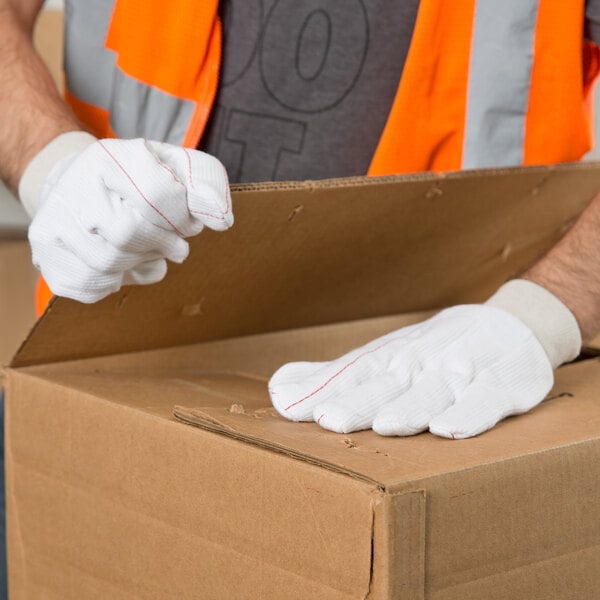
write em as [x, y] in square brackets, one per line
[138, 189]
[340, 372]
[227, 193]
[165, 166]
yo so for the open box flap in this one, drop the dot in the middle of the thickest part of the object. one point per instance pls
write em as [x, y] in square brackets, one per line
[310, 253]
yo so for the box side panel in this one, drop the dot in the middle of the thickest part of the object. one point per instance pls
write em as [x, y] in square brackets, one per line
[106, 501]
[399, 547]
[524, 528]
[570, 577]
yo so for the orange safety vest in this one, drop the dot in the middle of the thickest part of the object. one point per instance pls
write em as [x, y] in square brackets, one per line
[460, 103]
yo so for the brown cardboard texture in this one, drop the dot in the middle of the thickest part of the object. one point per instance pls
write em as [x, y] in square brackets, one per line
[17, 285]
[112, 496]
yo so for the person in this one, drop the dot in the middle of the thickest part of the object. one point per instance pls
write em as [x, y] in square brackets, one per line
[299, 82]
[117, 177]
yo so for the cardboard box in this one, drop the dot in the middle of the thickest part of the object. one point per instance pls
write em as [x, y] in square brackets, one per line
[48, 36]
[144, 460]
[17, 286]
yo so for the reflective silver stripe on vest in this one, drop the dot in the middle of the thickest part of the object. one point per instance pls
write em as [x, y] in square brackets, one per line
[499, 82]
[136, 109]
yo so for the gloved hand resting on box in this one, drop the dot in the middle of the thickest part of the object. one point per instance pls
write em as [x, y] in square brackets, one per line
[457, 374]
[107, 213]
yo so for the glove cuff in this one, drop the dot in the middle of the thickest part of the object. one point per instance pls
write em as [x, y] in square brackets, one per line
[552, 323]
[37, 171]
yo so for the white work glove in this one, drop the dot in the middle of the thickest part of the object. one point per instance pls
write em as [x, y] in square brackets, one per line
[456, 374]
[109, 212]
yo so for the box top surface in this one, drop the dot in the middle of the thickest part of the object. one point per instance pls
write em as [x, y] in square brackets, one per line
[569, 416]
[193, 386]
[309, 253]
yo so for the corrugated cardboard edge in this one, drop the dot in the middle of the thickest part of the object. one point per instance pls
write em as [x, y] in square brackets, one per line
[417, 176]
[31, 333]
[196, 418]
[398, 569]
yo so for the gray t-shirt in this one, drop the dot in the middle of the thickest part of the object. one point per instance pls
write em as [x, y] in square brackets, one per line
[307, 85]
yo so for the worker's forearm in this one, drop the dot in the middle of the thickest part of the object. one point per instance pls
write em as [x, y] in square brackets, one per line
[32, 111]
[571, 270]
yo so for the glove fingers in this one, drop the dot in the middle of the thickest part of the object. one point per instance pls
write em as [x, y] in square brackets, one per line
[129, 232]
[205, 178]
[480, 407]
[296, 393]
[146, 273]
[292, 389]
[518, 381]
[115, 210]
[118, 247]
[83, 284]
[356, 409]
[147, 185]
[411, 413]
[89, 285]
[296, 390]
[295, 372]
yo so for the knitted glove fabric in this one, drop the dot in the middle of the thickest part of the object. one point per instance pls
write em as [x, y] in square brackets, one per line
[456, 374]
[107, 213]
